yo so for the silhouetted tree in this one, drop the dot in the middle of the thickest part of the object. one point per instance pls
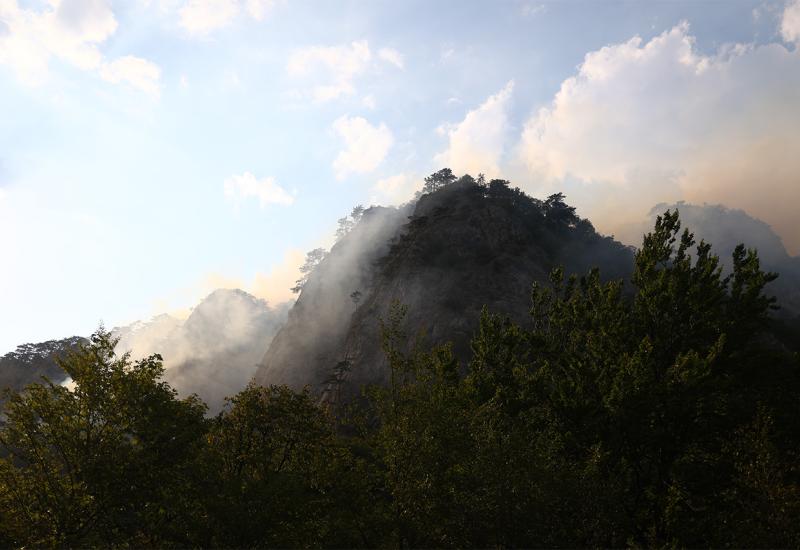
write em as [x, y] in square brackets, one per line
[659, 413]
[437, 180]
[347, 224]
[559, 211]
[313, 259]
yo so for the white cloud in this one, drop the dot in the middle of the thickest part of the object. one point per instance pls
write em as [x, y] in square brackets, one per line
[258, 9]
[239, 188]
[340, 63]
[396, 189]
[476, 144]
[645, 122]
[332, 70]
[392, 56]
[202, 17]
[365, 146]
[205, 16]
[790, 22]
[368, 101]
[137, 72]
[68, 30]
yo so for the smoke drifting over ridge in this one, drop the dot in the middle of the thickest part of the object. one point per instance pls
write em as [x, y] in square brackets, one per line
[446, 256]
[215, 351]
[318, 321]
[725, 228]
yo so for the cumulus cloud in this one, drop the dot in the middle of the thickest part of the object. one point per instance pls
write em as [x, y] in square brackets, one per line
[258, 9]
[67, 29]
[645, 122]
[139, 73]
[790, 22]
[365, 145]
[242, 187]
[476, 144]
[332, 70]
[71, 31]
[204, 16]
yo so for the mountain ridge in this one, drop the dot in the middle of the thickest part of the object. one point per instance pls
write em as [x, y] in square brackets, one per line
[463, 247]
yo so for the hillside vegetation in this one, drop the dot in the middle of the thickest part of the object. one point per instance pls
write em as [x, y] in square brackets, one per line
[464, 245]
[656, 411]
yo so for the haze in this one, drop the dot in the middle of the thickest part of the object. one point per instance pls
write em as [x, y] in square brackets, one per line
[154, 150]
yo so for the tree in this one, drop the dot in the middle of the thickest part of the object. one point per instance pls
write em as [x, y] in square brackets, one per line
[357, 213]
[347, 224]
[109, 462]
[646, 393]
[559, 211]
[265, 452]
[498, 188]
[313, 259]
[438, 180]
[659, 415]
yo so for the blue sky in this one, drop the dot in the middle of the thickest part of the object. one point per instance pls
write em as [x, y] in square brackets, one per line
[151, 151]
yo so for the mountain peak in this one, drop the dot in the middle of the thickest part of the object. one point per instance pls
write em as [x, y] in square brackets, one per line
[454, 251]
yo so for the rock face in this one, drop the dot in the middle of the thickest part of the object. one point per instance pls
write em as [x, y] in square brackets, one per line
[463, 247]
[319, 322]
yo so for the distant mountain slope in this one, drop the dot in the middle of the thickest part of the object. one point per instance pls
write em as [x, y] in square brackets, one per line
[463, 247]
[213, 353]
[216, 350]
[30, 362]
[725, 228]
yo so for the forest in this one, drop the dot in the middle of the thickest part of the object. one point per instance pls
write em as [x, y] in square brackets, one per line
[656, 411]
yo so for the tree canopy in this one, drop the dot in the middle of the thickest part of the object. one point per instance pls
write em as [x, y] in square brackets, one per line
[654, 412]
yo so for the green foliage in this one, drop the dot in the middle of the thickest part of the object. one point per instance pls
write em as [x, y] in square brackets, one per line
[266, 453]
[661, 413]
[104, 463]
[313, 259]
[438, 180]
[656, 416]
[346, 224]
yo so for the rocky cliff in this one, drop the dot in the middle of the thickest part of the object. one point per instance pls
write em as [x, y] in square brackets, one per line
[453, 252]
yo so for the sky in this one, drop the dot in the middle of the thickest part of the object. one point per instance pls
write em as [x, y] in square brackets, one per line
[153, 150]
